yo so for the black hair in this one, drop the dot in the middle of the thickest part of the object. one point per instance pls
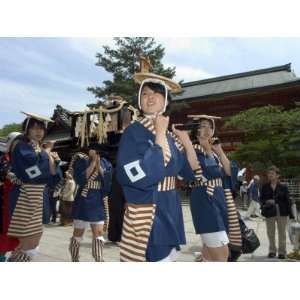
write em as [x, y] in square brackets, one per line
[160, 89]
[274, 169]
[157, 88]
[100, 149]
[27, 124]
[194, 132]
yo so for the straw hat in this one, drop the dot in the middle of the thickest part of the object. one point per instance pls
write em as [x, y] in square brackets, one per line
[168, 84]
[38, 117]
[205, 117]
[171, 85]
[145, 76]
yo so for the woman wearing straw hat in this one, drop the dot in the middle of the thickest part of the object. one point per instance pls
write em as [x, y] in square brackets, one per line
[35, 168]
[212, 207]
[149, 159]
[92, 174]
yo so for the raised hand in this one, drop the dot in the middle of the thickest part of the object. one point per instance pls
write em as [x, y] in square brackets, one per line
[55, 155]
[161, 124]
[217, 149]
[182, 135]
[48, 146]
[204, 142]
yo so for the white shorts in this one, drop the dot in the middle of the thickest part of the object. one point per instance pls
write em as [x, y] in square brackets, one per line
[215, 239]
[79, 224]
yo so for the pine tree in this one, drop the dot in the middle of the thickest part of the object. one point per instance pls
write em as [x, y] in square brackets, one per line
[271, 137]
[8, 128]
[122, 61]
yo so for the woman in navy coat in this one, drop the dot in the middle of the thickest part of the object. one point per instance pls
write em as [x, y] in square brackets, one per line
[92, 175]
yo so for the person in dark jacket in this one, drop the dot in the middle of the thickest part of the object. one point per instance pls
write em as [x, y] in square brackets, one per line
[276, 207]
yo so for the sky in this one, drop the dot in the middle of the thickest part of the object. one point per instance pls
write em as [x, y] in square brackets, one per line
[38, 73]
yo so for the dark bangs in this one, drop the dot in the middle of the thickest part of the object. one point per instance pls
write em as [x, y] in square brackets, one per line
[31, 123]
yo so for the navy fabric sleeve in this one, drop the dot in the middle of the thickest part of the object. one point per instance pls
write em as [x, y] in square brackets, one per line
[186, 171]
[55, 179]
[107, 176]
[29, 166]
[80, 166]
[230, 182]
[193, 175]
[140, 163]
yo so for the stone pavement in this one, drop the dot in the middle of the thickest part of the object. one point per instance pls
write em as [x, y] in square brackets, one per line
[55, 241]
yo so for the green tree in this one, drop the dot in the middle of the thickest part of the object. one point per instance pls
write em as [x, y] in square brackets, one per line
[122, 61]
[10, 128]
[271, 136]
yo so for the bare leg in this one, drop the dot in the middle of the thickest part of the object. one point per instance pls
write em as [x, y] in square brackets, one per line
[218, 254]
[205, 254]
[26, 248]
[98, 242]
[97, 230]
[30, 242]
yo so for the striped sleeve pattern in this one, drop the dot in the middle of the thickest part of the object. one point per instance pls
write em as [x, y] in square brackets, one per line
[70, 170]
[28, 214]
[235, 237]
[177, 141]
[90, 184]
[137, 224]
[106, 211]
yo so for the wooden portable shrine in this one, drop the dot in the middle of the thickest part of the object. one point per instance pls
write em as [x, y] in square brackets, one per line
[101, 123]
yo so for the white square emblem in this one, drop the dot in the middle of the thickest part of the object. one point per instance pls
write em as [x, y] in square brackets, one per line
[134, 171]
[33, 172]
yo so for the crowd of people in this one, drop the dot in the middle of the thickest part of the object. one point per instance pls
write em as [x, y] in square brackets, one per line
[146, 220]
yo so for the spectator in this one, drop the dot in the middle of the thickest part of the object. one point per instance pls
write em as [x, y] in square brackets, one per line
[276, 207]
[253, 193]
[243, 194]
[54, 195]
[67, 198]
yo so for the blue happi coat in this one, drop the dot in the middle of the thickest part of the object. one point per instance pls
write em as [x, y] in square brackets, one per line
[208, 204]
[140, 169]
[90, 207]
[32, 166]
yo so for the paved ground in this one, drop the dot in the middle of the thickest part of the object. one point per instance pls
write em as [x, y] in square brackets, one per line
[54, 244]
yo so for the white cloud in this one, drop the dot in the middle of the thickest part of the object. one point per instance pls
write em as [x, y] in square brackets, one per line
[38, 64]
[16, 97]
[188, 46]
[176, 44]
[188, 73]
[53, 75]
[88, 47]
[14, 53]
